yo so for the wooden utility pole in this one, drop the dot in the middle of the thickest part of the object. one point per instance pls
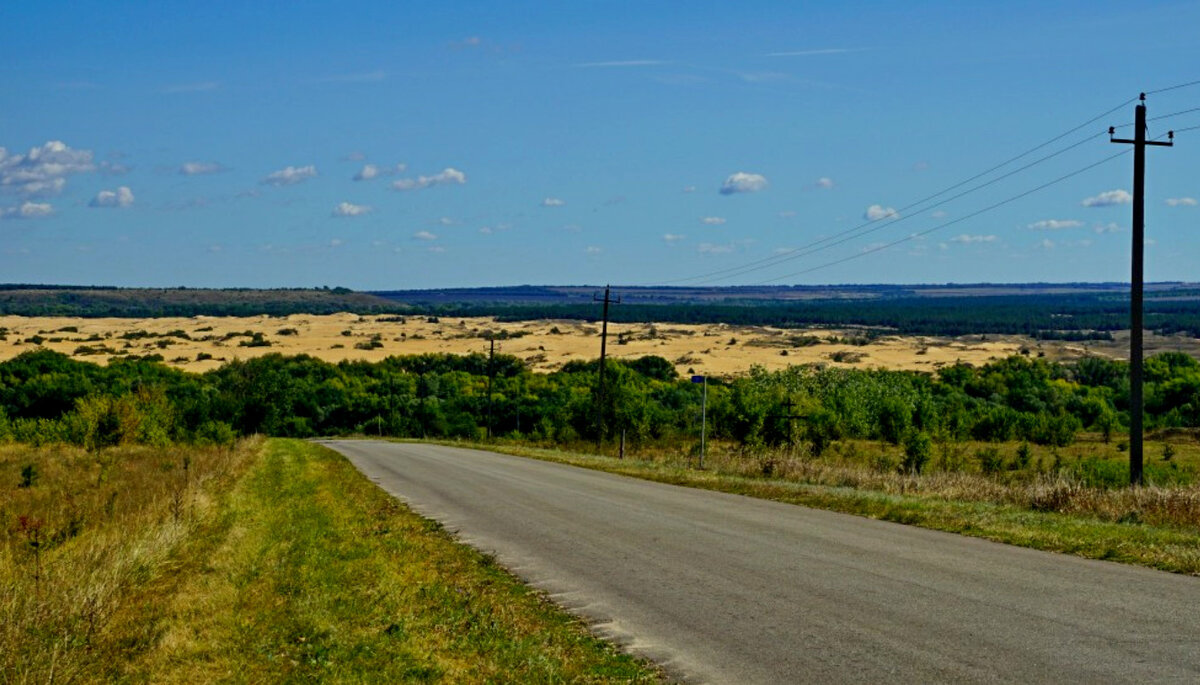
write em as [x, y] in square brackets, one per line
[1139, 143]
[491, 376]
[601, 419]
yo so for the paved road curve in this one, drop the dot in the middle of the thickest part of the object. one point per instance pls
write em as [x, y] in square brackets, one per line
[728, 589]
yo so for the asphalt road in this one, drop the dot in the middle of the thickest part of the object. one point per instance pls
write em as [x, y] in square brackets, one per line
[728, 589]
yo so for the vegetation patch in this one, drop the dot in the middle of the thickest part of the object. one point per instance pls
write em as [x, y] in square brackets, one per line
[262, 563]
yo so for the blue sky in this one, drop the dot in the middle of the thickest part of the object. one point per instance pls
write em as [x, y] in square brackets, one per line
[414, 145]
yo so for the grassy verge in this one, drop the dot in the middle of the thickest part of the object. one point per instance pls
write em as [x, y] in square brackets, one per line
[282, 563]
[1130, 526]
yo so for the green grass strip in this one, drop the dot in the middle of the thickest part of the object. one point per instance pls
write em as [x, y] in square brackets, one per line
[321, 576]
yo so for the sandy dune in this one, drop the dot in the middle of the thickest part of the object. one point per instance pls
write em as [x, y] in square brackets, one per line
[201, 343]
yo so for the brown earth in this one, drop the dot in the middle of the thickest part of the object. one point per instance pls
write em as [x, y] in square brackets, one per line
[201, 343]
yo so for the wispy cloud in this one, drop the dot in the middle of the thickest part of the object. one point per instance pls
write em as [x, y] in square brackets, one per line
[289, 175]
[622, 63]
[121, 197]
[447, 176]
[814, 52]
[879, 212]
[198, 87]
[712, 220]
[361, 77]
[593, 249]
[27, 210]
[713, 248]
[1108, 198]
[966, 239]
[824, 183]
[743, 182]
[553, 202]
[1182, 201]
[1110, 227]
[1054, 224]
[347, 209]
[200, 168]
[425, 235]
[673, 237]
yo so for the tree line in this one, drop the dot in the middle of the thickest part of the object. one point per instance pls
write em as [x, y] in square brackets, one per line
[48, 397]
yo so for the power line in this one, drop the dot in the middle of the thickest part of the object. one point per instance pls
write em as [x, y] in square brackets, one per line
[1174, 87]
[1161, 117]
[779, 258]
[851, 234]
[952, 222]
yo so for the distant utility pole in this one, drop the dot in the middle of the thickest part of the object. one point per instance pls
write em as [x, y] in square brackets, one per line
[703, 416]
[1139, 143]
[601, 421]
[491, 375]
[788, 416]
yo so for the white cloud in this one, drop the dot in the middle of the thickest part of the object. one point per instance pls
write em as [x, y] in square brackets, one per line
[968, 239]
[1182, 201]
[825, 183]
[27, 210]
[1108, 198]
[446, 176]
[673, 237]
[486, 230]
[1054, 224]
[445, 221]
[373, 171]
[553, 202]
[199, 168]
[742, 182]
[710, 248]
[336, 242]
[592, 249]
[348, 209]
[689, 189]
[712, 220]
[1046, 244]
[1110, 227]
[436, 249]
[43, 170]
[879, 212]
[121, 197]
[425, 235]
[289, 176]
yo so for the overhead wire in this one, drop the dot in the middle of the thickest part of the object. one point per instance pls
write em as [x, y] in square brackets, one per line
[779, 258]
[939, 227]
[847, 236]
[891, 219]
[914, 236]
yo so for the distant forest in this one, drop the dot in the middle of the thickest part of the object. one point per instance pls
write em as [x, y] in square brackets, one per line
[1045, 311]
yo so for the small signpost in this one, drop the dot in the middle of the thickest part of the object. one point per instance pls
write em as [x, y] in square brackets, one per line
[703, 414]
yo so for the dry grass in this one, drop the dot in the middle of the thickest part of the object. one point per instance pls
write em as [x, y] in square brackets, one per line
[89, 532]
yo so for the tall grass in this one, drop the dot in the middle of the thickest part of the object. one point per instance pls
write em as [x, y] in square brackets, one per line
[83, 534]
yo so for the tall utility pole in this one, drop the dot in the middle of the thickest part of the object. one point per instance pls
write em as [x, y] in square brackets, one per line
[1139, 143]
[600, 417]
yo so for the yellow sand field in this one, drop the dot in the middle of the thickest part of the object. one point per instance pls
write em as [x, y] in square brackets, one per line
[715, 349]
